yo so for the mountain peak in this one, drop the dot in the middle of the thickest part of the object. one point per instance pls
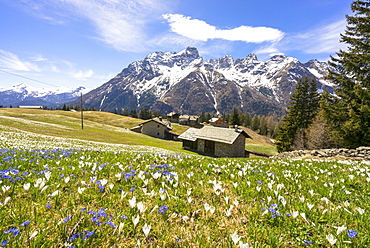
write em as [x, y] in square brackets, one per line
[190, 52]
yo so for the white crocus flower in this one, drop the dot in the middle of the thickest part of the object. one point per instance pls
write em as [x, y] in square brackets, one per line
[110, 186]
[5, 188]
[244, 245]
[156, 175]
[6, 200]
[123, 194]
[235, 237]
[283, 201]
[80, 190]
[295, 214]
[163, 195]
[132, 202]
[212, 209]
[146, 229]
[66, 179]
[103, 182]
[310, 206]
[55, 193]
[26, 186]
[141, 207]
[33, 234]
[360, 210]
[331, 239]
[120, 227]
[47, 175]
[44, 188]
[135, 220]
[229, 212]
[303, 215]
[341, 229]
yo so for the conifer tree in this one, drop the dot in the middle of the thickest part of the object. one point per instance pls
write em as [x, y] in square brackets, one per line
[347, 112]
[255, 123]
[304, 107]
[234, 117]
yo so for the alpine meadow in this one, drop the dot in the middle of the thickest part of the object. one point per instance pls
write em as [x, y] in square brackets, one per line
[143, 160]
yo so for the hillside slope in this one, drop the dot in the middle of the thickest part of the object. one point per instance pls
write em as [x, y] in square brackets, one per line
[97, 126]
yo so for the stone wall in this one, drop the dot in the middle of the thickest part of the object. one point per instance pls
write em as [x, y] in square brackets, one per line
[362, 153]
[153, 129]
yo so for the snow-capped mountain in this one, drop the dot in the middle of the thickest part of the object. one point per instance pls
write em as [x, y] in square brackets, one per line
[24, 94]
[185, 83]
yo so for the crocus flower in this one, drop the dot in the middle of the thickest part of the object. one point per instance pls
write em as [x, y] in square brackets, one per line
[146, 229]
[352, 234]
[235, 237]
[331, 239]
[26, 223]
[26, 186]
[163, 209]
[135, 220]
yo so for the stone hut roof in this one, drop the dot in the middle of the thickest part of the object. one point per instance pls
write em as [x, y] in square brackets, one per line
[222, 135]
[159, 121]
[172, 114]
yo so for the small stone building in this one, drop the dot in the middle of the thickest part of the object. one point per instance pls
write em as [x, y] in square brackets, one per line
[189, 120]
[157, 128]
[217, 122]
[215, 141]
[173, 117]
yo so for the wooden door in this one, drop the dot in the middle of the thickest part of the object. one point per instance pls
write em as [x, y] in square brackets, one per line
[209, 146]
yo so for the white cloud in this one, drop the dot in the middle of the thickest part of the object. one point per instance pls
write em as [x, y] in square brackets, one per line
[200, 30]
[80, 75]
[39, 58]
[120, 24]
[321, 39]
[12, 61]
[270, 49]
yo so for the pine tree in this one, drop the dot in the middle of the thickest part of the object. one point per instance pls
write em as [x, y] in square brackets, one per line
[208, 117]
[263, 125]
[348, 111]
[133, 113]
[202, 117]
[255, 123]
[304, 107]
[234, 117]
[247, 120]
[125, 112]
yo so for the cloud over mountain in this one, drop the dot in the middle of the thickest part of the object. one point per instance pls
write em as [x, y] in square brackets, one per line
[200, 30]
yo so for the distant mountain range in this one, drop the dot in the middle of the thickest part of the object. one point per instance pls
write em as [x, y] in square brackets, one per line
[186, 83]
[23, 94]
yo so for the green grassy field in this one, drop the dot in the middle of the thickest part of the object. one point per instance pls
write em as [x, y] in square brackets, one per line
[98, 126]
[73, 188]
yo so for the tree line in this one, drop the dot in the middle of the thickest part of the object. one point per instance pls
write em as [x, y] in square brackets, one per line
[262, 124]
[341, 119]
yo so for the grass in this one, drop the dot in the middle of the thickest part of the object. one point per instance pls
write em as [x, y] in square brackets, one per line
[100, 127]
[112, 198]
[268, 149]
[92, 188]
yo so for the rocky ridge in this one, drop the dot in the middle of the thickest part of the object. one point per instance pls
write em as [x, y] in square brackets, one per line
[186, 83]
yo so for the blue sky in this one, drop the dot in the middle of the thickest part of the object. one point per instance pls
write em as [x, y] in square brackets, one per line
[85, 43]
